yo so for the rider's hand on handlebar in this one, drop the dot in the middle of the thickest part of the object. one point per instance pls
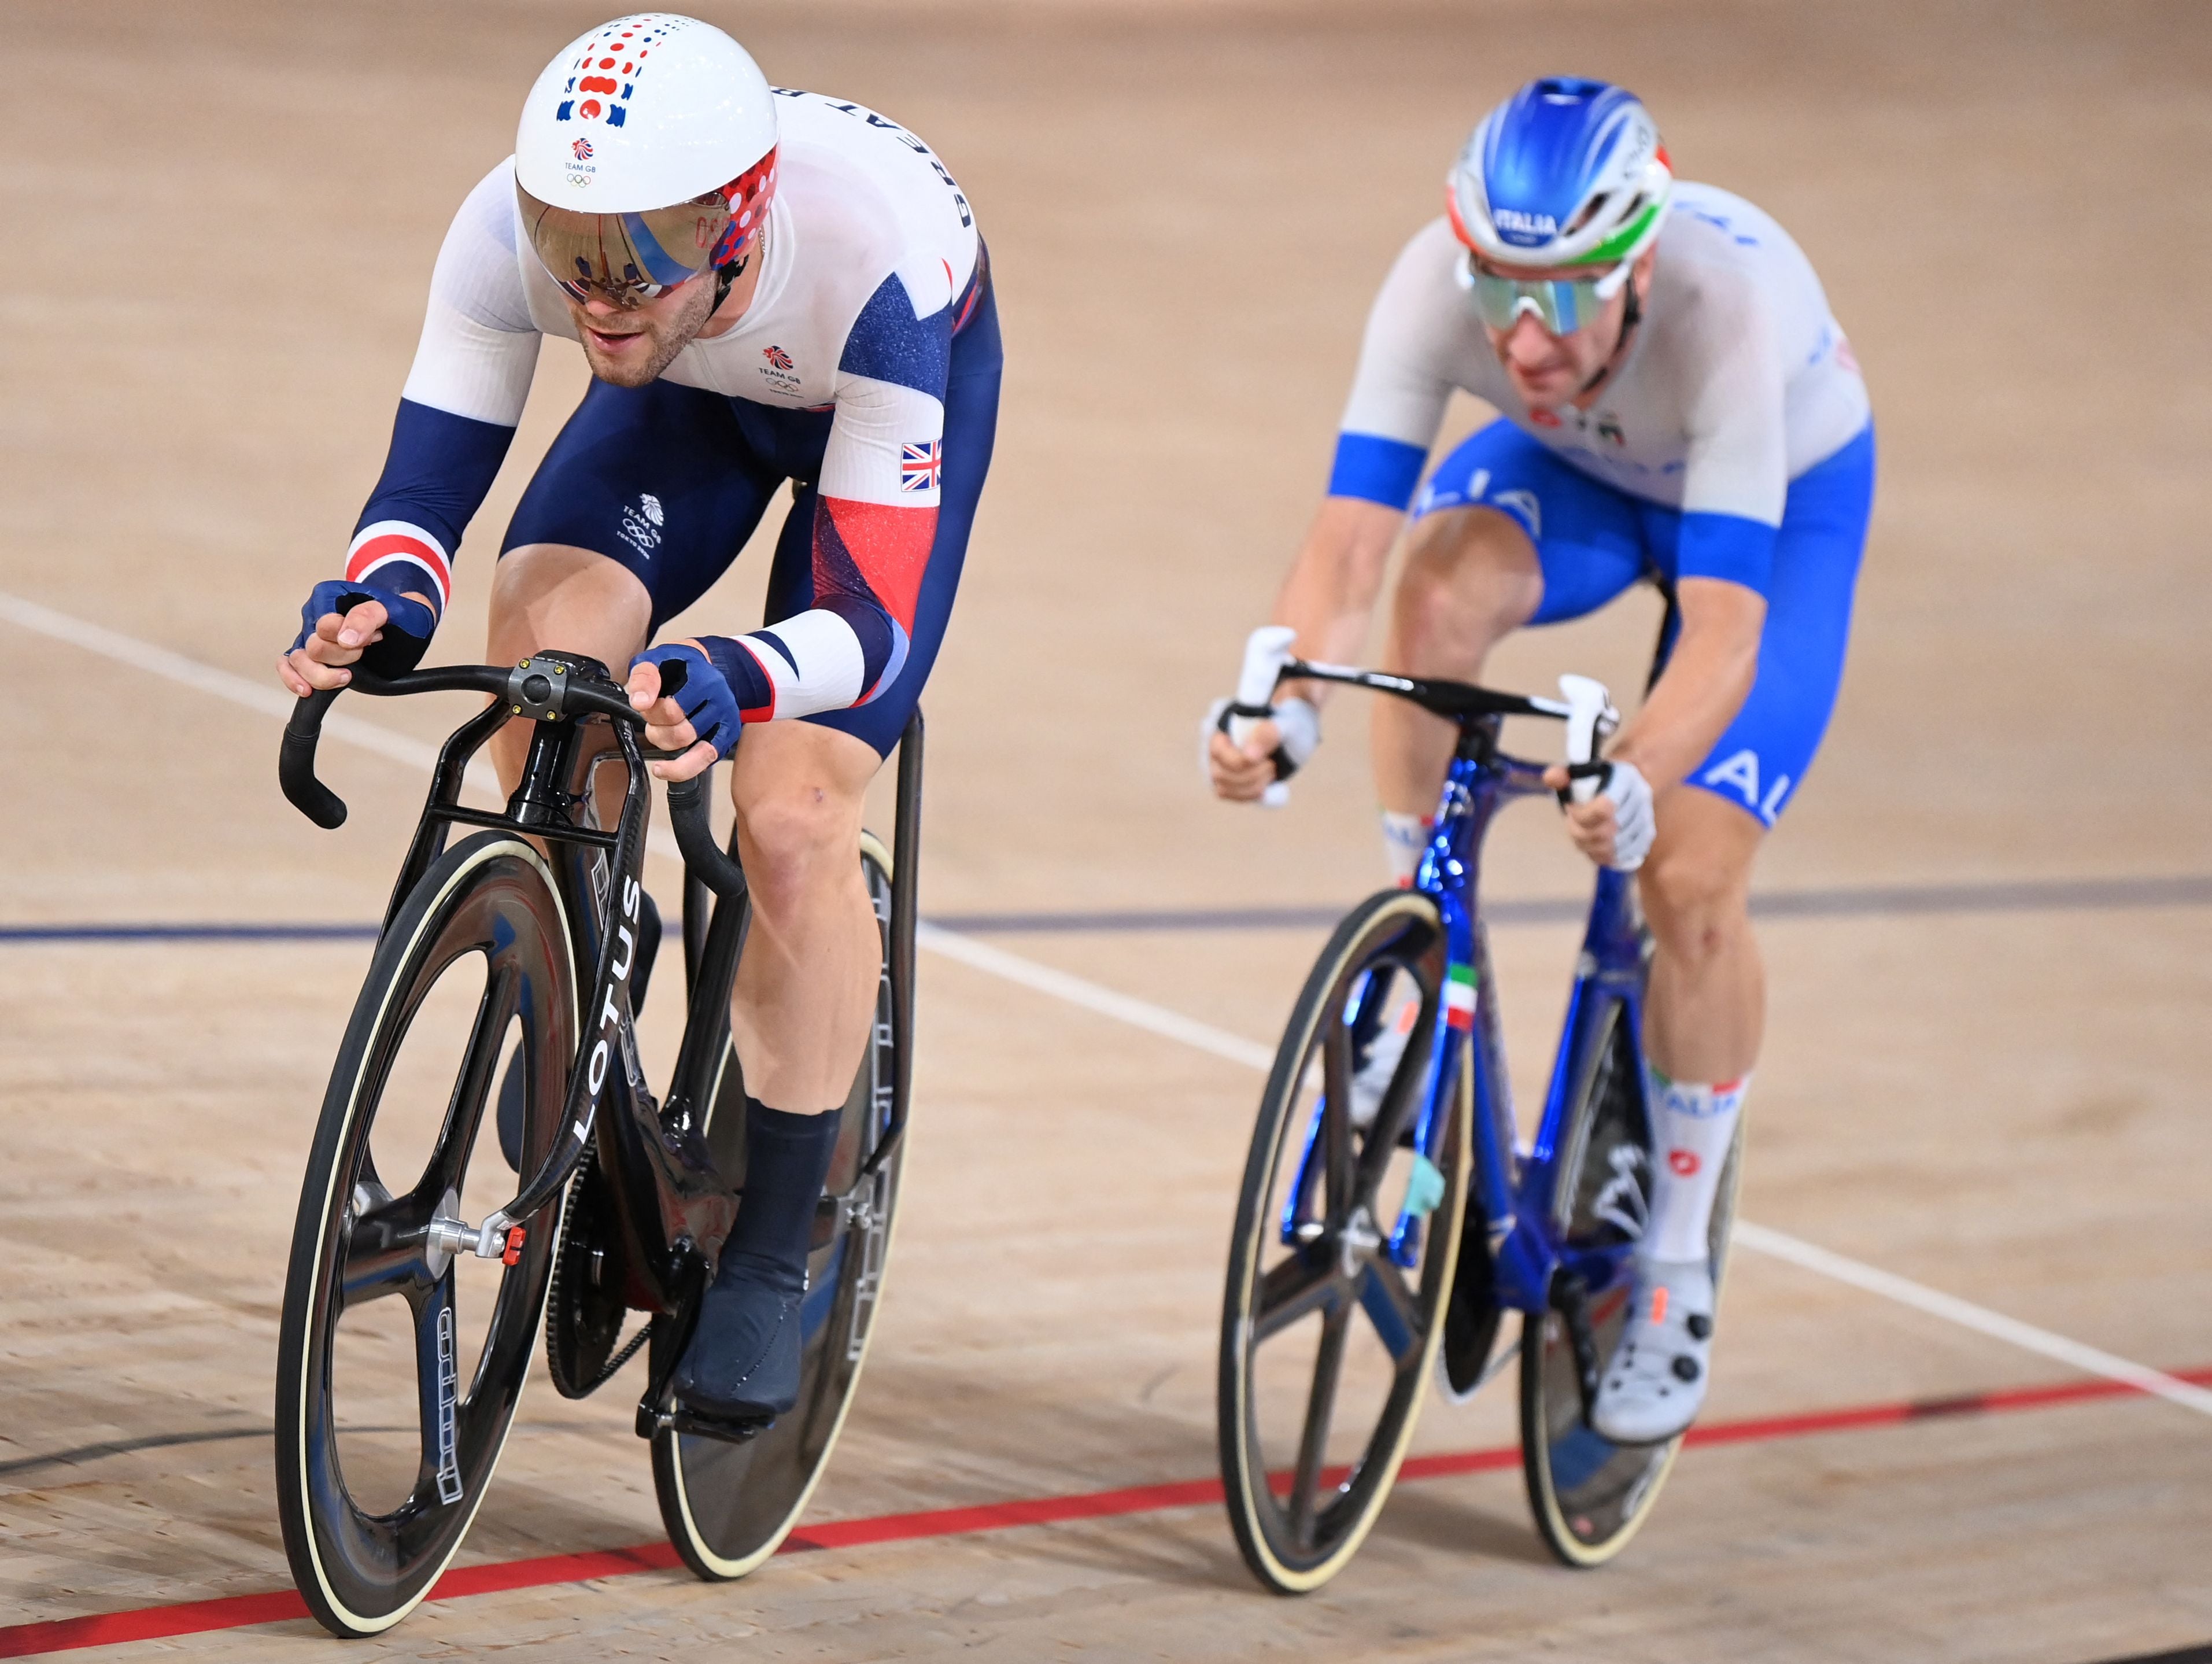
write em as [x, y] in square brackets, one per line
[1615, 828]
[666, 726]
[336, 642]
[1241, 773]
[348, 622]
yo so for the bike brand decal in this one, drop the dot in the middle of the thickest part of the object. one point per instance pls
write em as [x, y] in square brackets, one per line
[1685, 1163]
[610, 1009]
[449, 1393]
[1459, 998]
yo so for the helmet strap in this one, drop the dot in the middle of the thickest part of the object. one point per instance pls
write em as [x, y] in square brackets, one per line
[1631, 315]
[726, 274]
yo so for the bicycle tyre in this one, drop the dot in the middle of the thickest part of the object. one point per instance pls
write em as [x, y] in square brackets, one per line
[1295, 1546]
[727, 1507]
[1588, 1496]
[361, 1572]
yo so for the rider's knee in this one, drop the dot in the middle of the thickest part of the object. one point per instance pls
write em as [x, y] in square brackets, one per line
[541, 585]
[1470, 577]
[794, 832]
[1696, 899]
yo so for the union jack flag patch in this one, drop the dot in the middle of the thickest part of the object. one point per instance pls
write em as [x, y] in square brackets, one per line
[919, 465]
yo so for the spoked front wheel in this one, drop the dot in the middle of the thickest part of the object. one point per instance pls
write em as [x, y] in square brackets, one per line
[728, 1506]
[1590, 1495]
[1347, 1237]
[399, 1365]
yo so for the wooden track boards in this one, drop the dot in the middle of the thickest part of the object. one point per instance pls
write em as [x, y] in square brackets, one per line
[235, 209]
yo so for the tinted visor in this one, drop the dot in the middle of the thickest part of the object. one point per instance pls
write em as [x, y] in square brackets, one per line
[1562, 305]
[625, 257]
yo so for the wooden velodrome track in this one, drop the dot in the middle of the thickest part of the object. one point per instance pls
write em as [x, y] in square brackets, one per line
[1988, 911]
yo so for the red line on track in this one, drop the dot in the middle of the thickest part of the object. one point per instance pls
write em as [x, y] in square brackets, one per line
[241, 1611]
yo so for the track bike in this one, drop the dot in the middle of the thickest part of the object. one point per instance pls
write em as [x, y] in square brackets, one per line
[1376, 1242]
[515, 949]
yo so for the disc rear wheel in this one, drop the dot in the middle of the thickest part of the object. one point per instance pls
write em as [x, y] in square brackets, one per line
[728, 1506]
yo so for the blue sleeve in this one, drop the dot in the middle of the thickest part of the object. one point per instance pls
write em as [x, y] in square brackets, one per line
[1375, 470]
[1728, 546]
[436, 475]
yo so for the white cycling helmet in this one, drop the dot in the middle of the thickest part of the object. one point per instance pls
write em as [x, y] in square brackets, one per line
[645, 157]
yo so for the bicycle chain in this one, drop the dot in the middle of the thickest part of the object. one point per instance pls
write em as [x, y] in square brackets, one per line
[613, 1366]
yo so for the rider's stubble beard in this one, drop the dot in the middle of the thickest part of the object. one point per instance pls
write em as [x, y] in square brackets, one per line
[670, 333]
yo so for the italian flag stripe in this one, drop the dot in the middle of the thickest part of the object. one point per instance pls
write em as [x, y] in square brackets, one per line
[1459, 996]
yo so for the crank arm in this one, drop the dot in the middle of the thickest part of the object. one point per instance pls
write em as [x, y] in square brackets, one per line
[1570, 1299]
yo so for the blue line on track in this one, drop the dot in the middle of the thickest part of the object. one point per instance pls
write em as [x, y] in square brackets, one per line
[188, 932]
[1869, 901]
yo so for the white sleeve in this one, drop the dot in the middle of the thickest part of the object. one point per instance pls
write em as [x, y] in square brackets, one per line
[1738, 458]
[1399, 390]
[479, 347]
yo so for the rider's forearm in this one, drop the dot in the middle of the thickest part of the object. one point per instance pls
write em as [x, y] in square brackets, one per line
[1707, 679]
[1329, 596]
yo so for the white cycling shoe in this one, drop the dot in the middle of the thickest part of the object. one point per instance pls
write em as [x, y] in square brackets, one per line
[1373, 1077]
[1653, 1386]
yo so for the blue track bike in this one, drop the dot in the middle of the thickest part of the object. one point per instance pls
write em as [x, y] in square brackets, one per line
[1390, 1217]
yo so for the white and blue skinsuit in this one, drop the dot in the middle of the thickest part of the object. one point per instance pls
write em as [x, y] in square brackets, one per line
[1735, 442]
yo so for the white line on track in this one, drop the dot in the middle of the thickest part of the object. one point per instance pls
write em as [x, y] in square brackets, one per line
[1076, 991]
[1980, 1318]
[272, 700]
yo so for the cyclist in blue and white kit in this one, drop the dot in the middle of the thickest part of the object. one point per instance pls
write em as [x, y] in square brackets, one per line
[768, 286]
[1674, 403]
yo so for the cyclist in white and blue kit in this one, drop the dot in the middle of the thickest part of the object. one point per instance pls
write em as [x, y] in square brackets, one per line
[1674, 403]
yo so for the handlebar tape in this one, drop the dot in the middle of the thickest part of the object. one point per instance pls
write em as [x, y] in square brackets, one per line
[295, 763]
[695, 836]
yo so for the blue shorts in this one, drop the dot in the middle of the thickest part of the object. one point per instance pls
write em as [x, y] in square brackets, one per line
[670, 482]
[1593, 542]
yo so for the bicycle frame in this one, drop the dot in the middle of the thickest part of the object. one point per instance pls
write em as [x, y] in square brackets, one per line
[1512, 1188]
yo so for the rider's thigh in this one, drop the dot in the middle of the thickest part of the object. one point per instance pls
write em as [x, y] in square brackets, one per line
[1696, 883]
[1506, 533]
[1471, 576]
[572, 600]
[557, 598]
[799, 790]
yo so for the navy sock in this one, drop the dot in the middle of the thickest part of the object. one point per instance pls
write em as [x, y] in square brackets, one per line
[786, 1158]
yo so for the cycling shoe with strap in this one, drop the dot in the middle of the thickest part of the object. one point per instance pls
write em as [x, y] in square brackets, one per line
[1653, 1386]
[743, 1363]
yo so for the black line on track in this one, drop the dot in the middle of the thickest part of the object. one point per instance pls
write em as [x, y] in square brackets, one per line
[85, 1453]
[2186, 1655]
[1869, 901]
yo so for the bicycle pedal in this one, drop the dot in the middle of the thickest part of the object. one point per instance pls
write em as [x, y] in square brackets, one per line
[681, 1418]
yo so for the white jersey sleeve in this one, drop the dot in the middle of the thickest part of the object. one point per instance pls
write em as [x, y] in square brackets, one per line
[479, 346]
[1403, 383]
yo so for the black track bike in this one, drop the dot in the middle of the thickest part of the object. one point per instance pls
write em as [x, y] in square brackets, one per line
[408, 1331]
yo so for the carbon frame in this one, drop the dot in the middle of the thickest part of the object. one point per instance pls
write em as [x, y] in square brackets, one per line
[1513, 1190]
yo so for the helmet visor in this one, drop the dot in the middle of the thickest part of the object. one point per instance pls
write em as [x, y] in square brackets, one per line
[626, 259]
[1561, 306]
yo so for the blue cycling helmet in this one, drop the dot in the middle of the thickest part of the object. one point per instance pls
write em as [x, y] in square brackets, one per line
[1564, 172]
